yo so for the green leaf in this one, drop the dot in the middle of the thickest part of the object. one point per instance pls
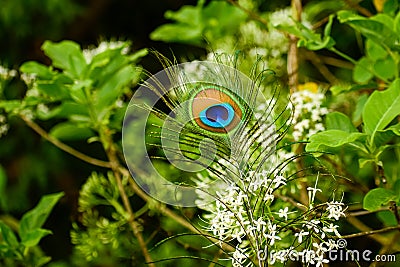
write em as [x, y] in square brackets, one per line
[362, 72]
[322, 141]
[372, 28]
[66, 55]
[221, 18]
[378, 197]
[396, 187]
[385, 69]
[32, 238]
[308, 38]
[66, 109]
[384, 19]
[192, 23]
[178, 33]
[397, 23]
[390, 7]
[375, 51]
[382, 138]
[69, 131]
[362, 162]
[8, 236]
[138, 55]
[34, 219]
[110, 91]
[357, 114]
[10, 105]
[78, 90]
[342, 88]
[395, 129]
[381, 108]
[57, 88]
[387, 218]
[339, 121]
[317, 10]
[187, 29]
[3, 184]
[40, 70]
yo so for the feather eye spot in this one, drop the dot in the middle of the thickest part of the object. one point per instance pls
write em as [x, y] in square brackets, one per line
[216, 110]
[218, 115]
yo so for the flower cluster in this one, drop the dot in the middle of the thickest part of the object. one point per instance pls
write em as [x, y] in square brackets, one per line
[103, 46]
[308, 110]
[7, 74]
[4, 127]
[234, 217]
[256, 40]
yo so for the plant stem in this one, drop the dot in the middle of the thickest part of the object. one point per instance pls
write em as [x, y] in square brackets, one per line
[250, 13]
[360, 9]
[166, 211]
[317, 62]
[372, 232]
[123, 171]
[343, 55]
[112, 157]
[293, 57]
[63, 146]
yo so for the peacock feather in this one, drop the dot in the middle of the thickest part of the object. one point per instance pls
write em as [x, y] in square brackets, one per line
[205, 117]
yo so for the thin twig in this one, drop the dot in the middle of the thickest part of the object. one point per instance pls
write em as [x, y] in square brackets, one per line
[385, 249]
[63, 146]
[293, 57]
[393, 208]
[112, 156]
[365, 229]
[123, 171]
[336, 62]
[372, 232]
[250, 13]
[363, 212]
[291, 201]
[317, 62]
[166, 211]
[359, 8]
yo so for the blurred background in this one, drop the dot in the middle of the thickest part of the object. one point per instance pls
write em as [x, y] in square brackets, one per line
[33, 167]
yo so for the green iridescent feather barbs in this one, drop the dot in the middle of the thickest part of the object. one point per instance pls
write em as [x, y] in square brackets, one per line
[214, 122]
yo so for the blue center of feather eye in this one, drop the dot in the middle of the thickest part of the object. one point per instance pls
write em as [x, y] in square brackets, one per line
[218, 115]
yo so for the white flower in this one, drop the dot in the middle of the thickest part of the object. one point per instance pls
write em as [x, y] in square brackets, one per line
[272, 234]
[300, 235]
[312, 191]
[335, 210]
[43, 108]
[283, 213]
[259, 224]
[320, 260]
[272, 237]
[307, 111]
[28, 78]
[3, 119]
[239, 257]
[332, 229]
[320, 249]
[103, 46]
[330, 244]
[4, 129]
[279, 180]
[6, 73]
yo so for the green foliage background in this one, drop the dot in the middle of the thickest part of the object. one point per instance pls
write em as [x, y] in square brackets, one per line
[351, 50]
